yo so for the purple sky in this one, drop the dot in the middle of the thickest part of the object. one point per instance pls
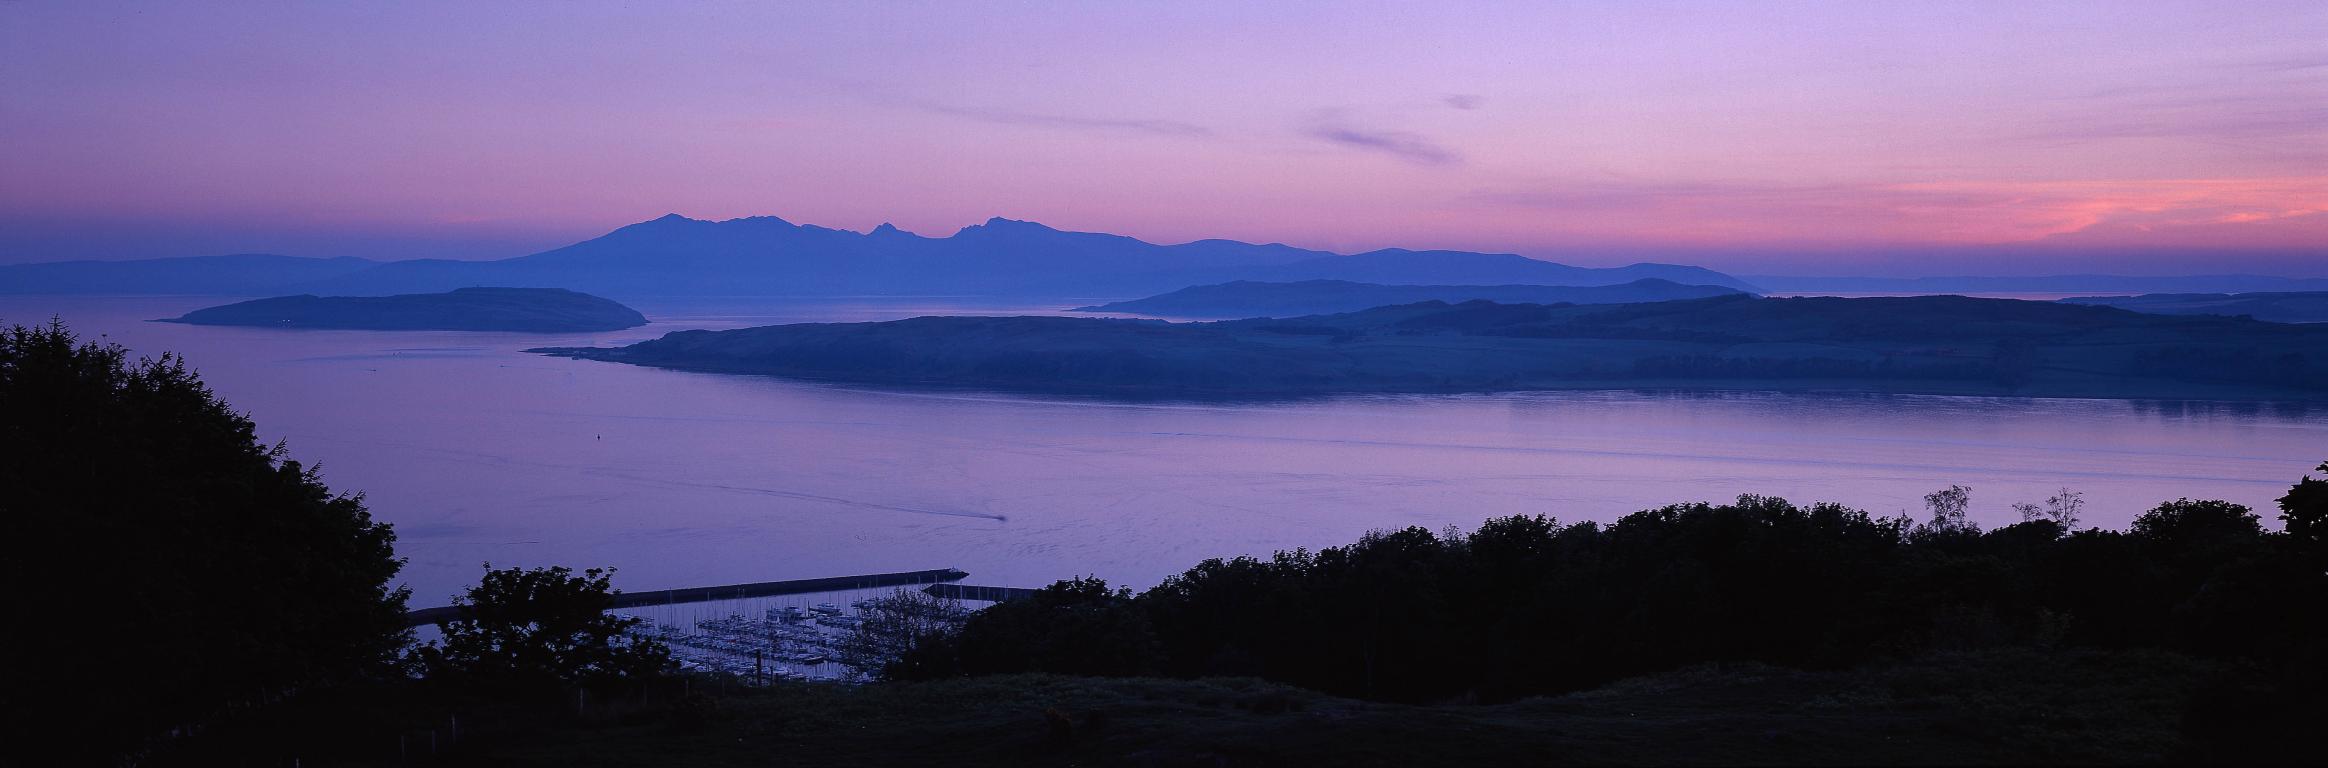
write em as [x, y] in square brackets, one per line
[1842, 137]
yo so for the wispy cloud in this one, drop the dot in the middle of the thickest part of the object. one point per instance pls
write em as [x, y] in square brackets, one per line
[2200, 116]
[1464, 101]
[1335, 126]
[2289, 63]
[2120, 212]
[2273, 107]
[1153, 127]
[1586, 196]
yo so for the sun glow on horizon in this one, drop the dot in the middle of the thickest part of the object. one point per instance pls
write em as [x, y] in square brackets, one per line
[1589, 133]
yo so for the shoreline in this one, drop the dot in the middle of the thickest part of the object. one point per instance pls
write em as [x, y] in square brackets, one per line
[2226, 394]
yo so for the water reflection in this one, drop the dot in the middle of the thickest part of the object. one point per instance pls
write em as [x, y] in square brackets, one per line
[480, 452]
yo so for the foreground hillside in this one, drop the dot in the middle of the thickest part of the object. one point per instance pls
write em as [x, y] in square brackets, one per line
[1933, 344]
[2014, 707]
[523, 310]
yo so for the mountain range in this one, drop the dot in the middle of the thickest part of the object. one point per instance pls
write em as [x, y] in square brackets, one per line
[768, 256]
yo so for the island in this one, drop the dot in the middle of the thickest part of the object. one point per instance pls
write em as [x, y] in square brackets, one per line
[1925, 344]
[2276, 306]
[1247, 298]
[523, 310]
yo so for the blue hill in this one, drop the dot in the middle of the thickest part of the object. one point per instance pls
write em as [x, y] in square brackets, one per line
[768, 256]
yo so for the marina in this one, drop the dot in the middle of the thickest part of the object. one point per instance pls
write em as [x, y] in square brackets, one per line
[766, 639]
[423, 616]
[763, 632]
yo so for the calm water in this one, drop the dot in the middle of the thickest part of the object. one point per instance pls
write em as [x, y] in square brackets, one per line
[478, 452]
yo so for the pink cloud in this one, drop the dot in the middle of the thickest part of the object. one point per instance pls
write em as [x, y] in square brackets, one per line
[2149, 213]
[1526, 127]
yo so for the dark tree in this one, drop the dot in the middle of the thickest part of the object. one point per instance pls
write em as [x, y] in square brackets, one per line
[1075, 627]
[2305, 512]
[167, 567]
[893, 626]
[530, 630]
[2188, 521]
[1526, 605]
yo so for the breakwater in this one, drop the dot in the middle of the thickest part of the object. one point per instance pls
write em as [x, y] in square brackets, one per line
[938, 576]
[973, 592]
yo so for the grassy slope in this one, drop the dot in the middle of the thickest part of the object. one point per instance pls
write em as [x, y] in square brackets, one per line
[2007, 707]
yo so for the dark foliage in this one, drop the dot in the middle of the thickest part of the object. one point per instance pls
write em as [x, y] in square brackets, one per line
[2305, 511]
[524, 631]
[891, 627]
[531, 651]
[188, 571]
[1527, 605]
[1076, 627]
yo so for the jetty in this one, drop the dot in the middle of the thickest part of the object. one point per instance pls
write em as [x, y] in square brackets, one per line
[937, 577]
[951, 591]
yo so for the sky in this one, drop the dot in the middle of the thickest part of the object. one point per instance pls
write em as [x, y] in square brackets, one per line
[1754, 137]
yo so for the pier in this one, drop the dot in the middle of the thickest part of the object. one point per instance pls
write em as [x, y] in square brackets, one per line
[972, 592]
[934, 578]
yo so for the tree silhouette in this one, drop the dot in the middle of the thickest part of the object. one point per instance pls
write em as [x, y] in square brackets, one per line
[2304, 511]
[893, 626]
[1076, 627]
[2064, 508]
[1526, 605]
[1948, 506]
[146, 530]
[530, 630]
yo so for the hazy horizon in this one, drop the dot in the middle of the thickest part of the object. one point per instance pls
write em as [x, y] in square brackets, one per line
[1794, 139]
[2007, 260]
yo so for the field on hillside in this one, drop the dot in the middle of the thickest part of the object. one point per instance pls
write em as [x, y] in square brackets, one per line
[2013, 707]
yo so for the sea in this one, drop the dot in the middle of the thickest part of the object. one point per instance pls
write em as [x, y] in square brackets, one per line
[479, 452]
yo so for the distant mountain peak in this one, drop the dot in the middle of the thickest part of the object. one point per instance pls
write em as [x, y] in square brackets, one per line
[675, 255]
[674, 222]
[777, 220]
[670, 219]
[1000, 224]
